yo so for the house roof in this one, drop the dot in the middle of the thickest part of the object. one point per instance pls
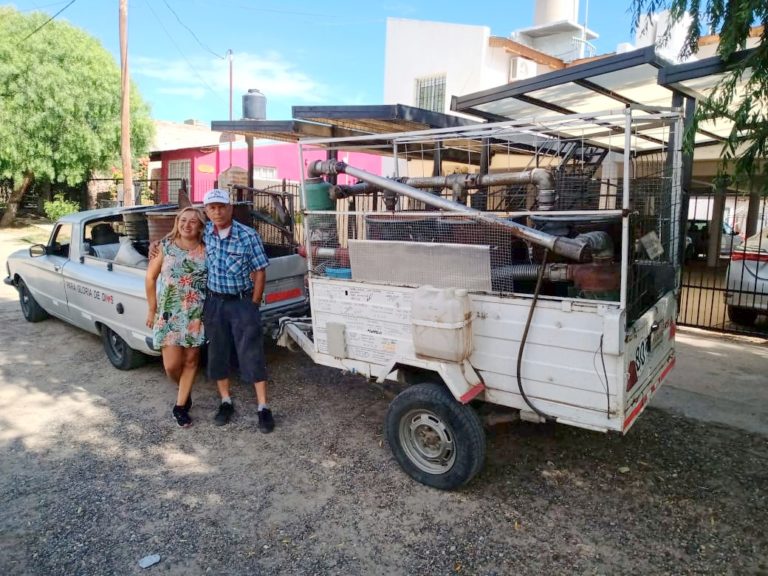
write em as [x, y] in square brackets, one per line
[178, 136]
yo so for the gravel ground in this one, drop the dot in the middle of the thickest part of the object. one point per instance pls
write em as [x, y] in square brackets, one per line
[94, 475]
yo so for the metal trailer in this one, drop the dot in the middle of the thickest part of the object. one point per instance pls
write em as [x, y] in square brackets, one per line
[536, 271]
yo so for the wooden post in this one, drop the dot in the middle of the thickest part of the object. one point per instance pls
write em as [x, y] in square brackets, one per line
[125, 108]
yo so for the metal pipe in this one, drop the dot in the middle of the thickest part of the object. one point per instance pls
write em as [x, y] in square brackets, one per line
[567, 247]
[539, 177]
[591, 277]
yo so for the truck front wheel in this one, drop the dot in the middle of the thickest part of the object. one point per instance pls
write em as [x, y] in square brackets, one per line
[743, 316]
[32, 311]
[122, 356]
[435, 439]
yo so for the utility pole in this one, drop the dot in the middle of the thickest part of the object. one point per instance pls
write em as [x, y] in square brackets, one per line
[125, 108]
[232, 136]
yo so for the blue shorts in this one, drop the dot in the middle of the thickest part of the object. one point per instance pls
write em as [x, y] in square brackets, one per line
[235, 339]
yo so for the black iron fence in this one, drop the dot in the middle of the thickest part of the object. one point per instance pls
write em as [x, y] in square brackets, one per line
[725, 271]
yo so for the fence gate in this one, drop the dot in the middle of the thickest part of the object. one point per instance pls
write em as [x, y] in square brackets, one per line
[725, 272]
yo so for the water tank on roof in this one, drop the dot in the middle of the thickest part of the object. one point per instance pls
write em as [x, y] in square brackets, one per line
[254, 105]
[549, 11]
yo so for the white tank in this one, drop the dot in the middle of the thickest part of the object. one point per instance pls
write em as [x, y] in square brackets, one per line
[549, 11]
[441, 323]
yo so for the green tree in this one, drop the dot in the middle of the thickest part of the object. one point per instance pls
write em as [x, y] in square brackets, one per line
[746, 145]
[59, 105]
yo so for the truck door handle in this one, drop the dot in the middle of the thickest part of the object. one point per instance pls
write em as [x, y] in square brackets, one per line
[56, 268]
[655, 326]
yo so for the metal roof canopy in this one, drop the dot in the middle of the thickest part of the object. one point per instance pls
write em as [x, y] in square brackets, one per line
[639, 77]
[281, 130]
[324, 122]
[380, 119]
[341, 121]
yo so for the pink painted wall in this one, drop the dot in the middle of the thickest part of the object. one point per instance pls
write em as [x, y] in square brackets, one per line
[284, 157]
[203, 171]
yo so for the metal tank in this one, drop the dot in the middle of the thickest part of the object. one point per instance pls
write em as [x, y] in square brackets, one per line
[550, 11]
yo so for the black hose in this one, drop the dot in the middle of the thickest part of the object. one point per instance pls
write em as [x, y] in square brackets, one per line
[525, 337]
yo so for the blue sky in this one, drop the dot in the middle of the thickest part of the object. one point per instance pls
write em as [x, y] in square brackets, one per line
[296, 52]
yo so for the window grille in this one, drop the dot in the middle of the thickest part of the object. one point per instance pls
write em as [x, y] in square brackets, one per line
[430, 93]
[264, 173]
[177, 169]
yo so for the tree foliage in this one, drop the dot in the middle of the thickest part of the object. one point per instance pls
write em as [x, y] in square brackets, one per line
[59, 103]
[747, 106]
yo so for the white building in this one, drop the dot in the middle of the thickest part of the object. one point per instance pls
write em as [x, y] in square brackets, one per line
[426, 63]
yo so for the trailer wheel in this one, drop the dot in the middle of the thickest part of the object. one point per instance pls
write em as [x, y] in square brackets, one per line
[122, 356]
[32, 311]
[436, 440]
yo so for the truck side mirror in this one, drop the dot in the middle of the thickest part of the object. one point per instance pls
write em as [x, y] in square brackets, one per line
[37, 250]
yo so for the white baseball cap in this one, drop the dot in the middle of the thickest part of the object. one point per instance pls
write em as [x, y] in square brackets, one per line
[217, 195]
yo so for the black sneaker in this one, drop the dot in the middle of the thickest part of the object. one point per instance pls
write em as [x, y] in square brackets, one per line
[224, 414]
[266, 422]
[181, 417]
[188, 403]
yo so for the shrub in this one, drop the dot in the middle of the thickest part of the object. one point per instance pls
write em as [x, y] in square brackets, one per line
[59, 207]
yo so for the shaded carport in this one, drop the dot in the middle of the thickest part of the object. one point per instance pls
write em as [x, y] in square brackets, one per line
[641, 79]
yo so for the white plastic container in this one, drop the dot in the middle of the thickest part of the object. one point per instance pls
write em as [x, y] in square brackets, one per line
[441, 323]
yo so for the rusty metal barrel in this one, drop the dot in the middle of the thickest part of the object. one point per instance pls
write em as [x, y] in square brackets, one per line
[159, 224]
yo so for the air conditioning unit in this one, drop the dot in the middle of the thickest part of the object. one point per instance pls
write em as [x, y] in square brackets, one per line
[521, 68]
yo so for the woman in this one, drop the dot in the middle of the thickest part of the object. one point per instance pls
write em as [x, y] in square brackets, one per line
[176, 314]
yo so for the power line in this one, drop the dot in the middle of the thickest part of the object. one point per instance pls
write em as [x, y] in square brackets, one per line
[195, 72]
[203, 46]
[36, 30]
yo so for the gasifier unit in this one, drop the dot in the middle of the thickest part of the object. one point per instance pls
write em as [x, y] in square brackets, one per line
[531, 265]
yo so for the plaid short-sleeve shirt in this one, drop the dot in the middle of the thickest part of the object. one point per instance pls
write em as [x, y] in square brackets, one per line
[231, 260]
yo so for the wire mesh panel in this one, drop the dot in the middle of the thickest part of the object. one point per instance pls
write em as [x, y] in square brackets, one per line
[540, 202]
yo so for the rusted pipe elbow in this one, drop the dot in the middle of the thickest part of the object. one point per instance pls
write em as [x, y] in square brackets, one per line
[544, 181]
[325, 167]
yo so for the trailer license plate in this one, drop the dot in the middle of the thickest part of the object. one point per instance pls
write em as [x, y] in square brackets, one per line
[656, 337]
[646, 347]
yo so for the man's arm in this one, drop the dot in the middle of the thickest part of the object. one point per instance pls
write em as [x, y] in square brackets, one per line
[259, 278]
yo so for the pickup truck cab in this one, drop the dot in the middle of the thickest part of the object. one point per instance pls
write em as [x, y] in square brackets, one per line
[91, 274]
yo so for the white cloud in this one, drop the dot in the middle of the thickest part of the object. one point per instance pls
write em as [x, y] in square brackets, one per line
[270, 73]
[192, 92]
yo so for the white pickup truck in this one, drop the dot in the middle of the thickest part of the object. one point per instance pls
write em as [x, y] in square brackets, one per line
[91, 274]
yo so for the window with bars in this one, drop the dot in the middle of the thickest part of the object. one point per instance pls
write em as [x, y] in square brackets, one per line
[264, 173]
[430, 93]
[177, 169]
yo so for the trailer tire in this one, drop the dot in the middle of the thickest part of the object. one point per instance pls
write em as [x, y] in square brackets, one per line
[32, 311]
[121, 356]
[435, 439]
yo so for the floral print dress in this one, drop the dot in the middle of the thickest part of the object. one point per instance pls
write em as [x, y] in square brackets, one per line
[179, 320]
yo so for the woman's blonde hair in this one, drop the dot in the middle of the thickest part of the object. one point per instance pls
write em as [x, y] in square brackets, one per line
[174, 233]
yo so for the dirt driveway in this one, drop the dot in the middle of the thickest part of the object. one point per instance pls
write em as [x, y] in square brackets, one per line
[94, 476]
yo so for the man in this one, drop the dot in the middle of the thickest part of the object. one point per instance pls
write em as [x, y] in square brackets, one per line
[236, 276]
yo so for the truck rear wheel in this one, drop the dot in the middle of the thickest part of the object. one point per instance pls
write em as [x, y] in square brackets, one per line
[122, 356]
[743, 316]
[32, 311]
[435, 439]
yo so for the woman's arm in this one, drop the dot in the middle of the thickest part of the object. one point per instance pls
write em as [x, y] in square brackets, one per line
[150, 285]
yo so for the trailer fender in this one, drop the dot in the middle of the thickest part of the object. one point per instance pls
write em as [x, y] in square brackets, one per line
[460, 377]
